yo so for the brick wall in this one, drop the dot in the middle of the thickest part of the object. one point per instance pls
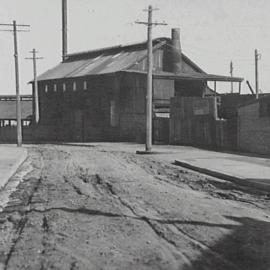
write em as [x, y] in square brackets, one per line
[253, 130]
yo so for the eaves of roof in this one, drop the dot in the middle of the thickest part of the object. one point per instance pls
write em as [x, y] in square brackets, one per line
[190, 76]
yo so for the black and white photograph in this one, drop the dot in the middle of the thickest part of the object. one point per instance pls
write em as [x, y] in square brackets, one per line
[134, 135]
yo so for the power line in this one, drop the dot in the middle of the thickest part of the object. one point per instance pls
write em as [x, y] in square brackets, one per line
[17, 79]
[257, 58]
[35, 86]
[11, 24]
[149, 106]
[231, 73]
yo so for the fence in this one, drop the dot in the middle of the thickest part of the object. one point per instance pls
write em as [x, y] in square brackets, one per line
[8, 134]
[193, 121]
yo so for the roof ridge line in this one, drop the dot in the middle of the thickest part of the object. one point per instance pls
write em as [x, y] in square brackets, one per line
[111, 48]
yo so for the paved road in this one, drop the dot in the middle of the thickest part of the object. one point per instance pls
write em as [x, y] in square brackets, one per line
[102, 206]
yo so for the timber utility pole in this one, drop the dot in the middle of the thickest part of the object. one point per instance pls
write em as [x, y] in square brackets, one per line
[35, 84]
[231, 72]
[64, 29]
[17, 78]
[149, 105]
[257, 58]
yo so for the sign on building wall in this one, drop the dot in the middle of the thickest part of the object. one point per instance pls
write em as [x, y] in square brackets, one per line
[200, 107]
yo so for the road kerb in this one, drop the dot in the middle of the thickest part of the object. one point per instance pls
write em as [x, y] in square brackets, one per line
[14, 168]
[224, 176]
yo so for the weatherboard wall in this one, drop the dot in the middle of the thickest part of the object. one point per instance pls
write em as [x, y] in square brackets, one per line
[103, 107]
[76, 112]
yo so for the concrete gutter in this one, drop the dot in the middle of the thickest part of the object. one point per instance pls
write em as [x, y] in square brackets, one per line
[261, 184]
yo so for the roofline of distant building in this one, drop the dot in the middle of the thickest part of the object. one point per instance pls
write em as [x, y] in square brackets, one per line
[249, 102]
[13, 97]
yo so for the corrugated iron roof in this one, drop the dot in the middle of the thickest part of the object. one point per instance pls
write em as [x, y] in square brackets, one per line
[8, 109]
[102, 61]
[120, 58]
[93, 66]
[114, 49]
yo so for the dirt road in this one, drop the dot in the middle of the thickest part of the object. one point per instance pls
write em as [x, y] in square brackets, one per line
[90, 208]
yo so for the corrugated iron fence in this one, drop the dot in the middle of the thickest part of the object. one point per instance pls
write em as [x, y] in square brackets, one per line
[8, 134]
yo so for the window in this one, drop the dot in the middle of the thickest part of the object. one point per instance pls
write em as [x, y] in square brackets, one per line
[55, 87]
[13, 123]
[74, 86]
[114, 118]
[46, 88]
[64, 87]
[85, 85]
[26, 123]
[160, 56]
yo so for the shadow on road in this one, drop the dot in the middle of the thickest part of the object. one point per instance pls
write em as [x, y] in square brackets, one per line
[247, 248]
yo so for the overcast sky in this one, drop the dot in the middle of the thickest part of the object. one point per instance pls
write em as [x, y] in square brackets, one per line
[213, 32]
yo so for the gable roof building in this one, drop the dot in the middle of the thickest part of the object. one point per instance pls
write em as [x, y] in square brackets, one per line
[101, 93]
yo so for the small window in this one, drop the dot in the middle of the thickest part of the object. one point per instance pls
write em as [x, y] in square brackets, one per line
[64, 87]
[13, 123]
[46, 88]
[55, 87]
[74, 86]
[160, 59]
[85, 85]
[114, 118]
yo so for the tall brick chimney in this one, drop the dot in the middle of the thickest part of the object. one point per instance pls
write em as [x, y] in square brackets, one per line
[176, 53]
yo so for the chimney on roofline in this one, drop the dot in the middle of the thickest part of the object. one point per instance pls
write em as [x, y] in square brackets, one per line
[176, 52]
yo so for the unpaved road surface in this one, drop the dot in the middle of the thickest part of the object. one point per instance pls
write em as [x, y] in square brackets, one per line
[90, 208]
